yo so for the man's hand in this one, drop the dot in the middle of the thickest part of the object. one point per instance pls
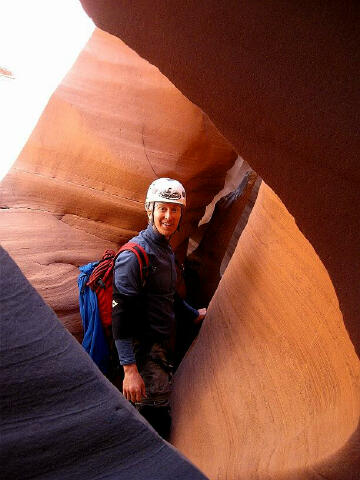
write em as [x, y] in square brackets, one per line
[133, 384]
[200, 318]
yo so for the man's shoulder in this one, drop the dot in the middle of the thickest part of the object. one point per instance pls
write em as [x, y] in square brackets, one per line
[142, 242]
[127, 255]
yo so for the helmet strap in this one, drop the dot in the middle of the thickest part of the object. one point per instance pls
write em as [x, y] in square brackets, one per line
[152, 215]
[152, 223]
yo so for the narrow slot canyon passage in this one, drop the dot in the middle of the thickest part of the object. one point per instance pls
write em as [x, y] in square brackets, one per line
[271, 386]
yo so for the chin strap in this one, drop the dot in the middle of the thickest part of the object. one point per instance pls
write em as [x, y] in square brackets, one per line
[151, 219]
[152, 215]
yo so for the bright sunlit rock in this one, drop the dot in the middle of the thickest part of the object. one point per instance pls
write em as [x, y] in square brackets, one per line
[39, 42]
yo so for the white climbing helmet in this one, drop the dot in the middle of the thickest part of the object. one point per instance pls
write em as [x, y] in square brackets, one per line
[166, 190]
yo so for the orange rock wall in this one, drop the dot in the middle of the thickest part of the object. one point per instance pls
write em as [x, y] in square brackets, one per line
[113, 125]
[280, 81]
[273, 382]
[271, 389]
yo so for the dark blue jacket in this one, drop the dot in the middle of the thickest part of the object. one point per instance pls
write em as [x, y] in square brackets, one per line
[145, 313]
[157, 297]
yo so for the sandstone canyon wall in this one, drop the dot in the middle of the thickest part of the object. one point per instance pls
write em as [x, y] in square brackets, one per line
[113, 125]
[271, 387]
[272, 384]
[281, 83]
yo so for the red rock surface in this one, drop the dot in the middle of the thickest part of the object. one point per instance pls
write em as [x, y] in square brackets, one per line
[205, 261]
[113, 125]
[271, 389]
[272, 383]
[280, 81]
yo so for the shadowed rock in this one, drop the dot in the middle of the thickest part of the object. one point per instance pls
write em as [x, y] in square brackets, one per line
[273, 380]
[60, 417]
[280, 81]
[112, 126]
[202, 266]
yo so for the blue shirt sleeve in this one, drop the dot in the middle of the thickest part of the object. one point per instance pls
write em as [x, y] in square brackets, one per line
[128, 282]
[183, 309]
[125, 351]
[191, 311]
[127, 274]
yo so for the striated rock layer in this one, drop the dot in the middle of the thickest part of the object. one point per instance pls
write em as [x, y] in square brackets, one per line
[205, 261]
[280, 81]
[113, 125]
[272, 383]
[60, 417]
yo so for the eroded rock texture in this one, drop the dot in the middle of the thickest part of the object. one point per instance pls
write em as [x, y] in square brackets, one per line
[273, 380]
[203, 265]
[114, 124]
[60, 417]
[272, 383]
[280, 81]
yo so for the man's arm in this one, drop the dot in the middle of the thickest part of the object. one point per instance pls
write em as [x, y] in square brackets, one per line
[125, 313]
[187, 311]
[133, 384]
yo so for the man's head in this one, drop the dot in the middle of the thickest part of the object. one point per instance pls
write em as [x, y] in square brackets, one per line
[164, 202]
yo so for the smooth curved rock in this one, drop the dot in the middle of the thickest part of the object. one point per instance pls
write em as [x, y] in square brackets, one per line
[113, 125]
[273, 382]
[280, 81]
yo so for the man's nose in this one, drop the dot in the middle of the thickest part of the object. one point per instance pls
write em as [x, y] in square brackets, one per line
[168, 214]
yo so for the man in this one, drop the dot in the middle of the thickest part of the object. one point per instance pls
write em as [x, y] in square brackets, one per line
[143, 315]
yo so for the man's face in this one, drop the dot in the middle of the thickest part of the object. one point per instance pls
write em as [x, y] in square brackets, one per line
[166, 217]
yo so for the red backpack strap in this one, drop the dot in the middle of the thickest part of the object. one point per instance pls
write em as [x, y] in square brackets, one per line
[141, 256]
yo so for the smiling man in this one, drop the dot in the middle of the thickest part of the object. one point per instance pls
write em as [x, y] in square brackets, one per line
[143, 317]
[166, 217]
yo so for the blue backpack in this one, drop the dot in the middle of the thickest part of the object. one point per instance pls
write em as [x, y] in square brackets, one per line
[95, 284]
[94, 340]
